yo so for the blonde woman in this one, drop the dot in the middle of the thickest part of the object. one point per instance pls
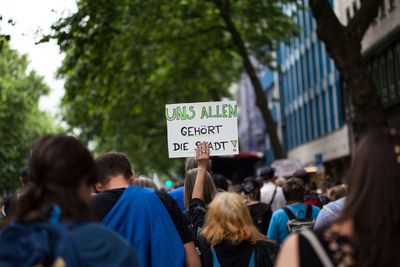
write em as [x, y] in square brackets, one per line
[232, 238]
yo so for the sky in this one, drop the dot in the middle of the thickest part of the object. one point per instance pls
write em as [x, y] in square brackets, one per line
[31, 17]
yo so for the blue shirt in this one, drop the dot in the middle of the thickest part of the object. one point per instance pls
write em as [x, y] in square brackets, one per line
[177, 194]
[278, 226]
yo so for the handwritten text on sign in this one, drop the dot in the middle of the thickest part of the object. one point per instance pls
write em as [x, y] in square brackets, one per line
[191, 123]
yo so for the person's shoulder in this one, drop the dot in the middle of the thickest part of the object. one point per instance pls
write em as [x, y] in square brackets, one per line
[278, 213]
[106, 194]
[315, 209]
[90, 228]
[163, 195]
[337, 204]
[98, 244]
[264, 244]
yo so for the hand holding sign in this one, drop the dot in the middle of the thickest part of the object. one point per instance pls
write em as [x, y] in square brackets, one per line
[202, 155]
[190, 123]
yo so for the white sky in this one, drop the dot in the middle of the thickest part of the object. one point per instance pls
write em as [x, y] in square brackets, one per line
[29, 17]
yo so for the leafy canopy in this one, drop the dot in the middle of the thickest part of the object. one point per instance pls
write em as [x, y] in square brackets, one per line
[21, 120]
[126, 59]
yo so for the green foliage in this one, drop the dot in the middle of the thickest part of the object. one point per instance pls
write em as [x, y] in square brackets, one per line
[126, 59]
[21, 122]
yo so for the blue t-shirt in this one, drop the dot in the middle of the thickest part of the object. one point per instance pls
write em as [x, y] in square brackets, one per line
[177, 194]
[278, 226]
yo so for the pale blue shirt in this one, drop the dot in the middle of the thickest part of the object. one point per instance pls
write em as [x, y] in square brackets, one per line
[329, 213]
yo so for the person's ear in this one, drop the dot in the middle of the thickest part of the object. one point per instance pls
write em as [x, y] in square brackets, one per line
[99, 187]
[132, 177]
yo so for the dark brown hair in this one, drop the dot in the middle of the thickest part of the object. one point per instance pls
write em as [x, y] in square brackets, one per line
[293, 190]
[112, 164]
[209, 187]
[373, 199]
[58, 166]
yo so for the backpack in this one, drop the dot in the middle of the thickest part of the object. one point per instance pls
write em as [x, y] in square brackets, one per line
[38, 243]
[294, 224]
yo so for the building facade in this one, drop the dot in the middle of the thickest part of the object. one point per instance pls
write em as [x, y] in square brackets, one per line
[312, 121]
[313, 111]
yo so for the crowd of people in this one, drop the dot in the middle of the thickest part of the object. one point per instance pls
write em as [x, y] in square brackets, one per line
[74, 210]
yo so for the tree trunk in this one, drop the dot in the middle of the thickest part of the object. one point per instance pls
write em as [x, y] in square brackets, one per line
[344, 46]
[260, 97]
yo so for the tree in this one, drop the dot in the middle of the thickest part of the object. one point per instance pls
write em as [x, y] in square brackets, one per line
[126, 59]
[21, 120]
[344, 45]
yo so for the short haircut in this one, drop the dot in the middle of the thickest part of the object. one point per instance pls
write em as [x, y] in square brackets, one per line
[303, 175]
[267, 173]
[110, 165]
[220, 182]
[293, 190]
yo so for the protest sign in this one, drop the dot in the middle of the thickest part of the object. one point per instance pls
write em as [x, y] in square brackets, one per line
[188, 124]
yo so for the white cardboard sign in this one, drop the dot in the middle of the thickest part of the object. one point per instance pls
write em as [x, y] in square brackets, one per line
[188, 124]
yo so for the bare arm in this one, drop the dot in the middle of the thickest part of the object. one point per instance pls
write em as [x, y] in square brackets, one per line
[202, 159]
[192, 258]
[289, 254]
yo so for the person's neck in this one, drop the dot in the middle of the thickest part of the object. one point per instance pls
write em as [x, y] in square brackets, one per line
[293, 202]
[117, 182]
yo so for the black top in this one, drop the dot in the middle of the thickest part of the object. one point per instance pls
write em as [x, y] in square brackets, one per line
[261, 215]
[104, 201]
[337, 247]
[228, 254]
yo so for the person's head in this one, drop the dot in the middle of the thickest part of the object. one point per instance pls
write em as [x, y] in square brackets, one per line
[220, 182]
[267, 173]
[143, 181]
[251, 188]
[208, 189]
[337, 192]
[325, 186]
[23, 177]
[304, 176]
[61, 172]
[373, 199]
[113, 165]
[293, 190]
[228, 218]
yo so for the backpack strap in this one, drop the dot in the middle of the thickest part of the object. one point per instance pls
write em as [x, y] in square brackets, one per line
[318, 249]
[273, 196]
[308, 212]
[289, 213]
[331, 211]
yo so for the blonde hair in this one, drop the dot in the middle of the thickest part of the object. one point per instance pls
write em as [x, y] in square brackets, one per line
[228, 218]
[143, 181]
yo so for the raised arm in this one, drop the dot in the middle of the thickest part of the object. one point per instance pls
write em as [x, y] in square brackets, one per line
[202, 159]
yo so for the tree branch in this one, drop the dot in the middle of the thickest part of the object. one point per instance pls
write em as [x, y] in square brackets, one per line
[261, 101]
[326, 18]
[363, 18]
